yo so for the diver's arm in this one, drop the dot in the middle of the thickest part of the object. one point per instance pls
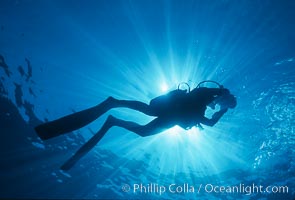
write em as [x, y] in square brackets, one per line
[215, 118]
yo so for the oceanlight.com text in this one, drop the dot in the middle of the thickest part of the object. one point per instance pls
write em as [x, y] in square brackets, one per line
[154, 188]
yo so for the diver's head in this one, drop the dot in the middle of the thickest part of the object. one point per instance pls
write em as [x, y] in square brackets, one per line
[227, 100]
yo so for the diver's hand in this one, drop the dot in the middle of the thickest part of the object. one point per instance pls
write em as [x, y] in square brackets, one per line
[218, 114]
[224, 110]
[223, 107]
[212, 105]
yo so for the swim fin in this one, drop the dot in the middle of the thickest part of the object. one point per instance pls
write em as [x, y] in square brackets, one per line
[83, 150]
[70, 122]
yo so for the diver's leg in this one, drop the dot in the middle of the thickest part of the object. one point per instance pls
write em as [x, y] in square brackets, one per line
[79, 119]
[73, 121]
[135, 105]
[154, 127]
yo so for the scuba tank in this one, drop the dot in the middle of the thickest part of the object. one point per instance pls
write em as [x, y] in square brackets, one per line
[164, 103]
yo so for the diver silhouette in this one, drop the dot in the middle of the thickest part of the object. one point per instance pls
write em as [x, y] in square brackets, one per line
[178, 107]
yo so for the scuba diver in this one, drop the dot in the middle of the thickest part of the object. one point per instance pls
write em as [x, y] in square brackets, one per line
[184, 108]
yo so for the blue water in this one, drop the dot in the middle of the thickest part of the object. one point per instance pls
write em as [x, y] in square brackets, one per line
[81, 52]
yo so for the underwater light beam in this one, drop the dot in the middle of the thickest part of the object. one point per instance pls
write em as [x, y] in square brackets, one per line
[157, 76]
